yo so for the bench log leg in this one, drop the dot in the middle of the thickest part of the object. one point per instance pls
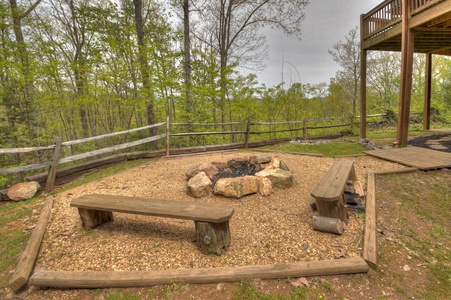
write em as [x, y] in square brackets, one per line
[91, 218]
[212, 238]
[333, 209]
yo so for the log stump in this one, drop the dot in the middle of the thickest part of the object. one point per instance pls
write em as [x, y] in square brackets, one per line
[212, 238]
[90, 218]
[326, 224]
[333, 209]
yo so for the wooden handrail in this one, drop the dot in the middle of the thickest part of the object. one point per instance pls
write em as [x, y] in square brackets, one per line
[388, 13]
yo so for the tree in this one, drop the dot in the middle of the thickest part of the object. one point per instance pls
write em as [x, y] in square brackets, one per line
[238, 39]
[187, 62]
[347, 55]
[384, 77]
[143, 62]
[27, 107]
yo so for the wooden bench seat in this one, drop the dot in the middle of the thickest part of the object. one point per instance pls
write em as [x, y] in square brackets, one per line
[211, 220]
[328, 193]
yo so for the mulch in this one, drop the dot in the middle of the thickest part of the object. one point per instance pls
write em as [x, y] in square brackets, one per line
[439, 142]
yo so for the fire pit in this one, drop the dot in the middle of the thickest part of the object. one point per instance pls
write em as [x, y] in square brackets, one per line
[239, 176]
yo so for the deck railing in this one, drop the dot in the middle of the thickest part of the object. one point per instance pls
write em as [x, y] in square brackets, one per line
[389, 13]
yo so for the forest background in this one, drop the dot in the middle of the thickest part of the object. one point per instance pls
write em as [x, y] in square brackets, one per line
[75, 69]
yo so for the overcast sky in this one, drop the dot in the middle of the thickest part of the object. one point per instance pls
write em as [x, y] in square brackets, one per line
[326, 22]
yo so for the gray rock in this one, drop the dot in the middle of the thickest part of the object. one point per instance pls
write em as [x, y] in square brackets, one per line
[263, 158]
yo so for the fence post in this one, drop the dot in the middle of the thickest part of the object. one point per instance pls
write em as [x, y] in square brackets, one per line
[304, 129]
[248, 129]
[167, 135]
[51, 176]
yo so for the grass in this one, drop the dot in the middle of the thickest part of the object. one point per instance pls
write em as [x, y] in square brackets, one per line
[344, 146]
[246, 290]
[425, 197]
[328, 149]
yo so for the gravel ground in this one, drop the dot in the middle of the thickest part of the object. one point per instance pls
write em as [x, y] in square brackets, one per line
[264, 230]
[439, 142]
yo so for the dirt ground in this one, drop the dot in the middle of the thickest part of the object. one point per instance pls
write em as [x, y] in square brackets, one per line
[280, 221]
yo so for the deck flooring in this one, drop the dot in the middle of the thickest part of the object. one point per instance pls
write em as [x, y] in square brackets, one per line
[421, 158]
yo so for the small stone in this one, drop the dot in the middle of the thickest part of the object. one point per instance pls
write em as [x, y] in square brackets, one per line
[209, 169]
[263, 158]
[406, 268]
[265, 186]
[283, 166]
[238, 161]
[302, 281]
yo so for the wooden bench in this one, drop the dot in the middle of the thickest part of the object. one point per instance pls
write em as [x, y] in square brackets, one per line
[211, 220]
[328, 193]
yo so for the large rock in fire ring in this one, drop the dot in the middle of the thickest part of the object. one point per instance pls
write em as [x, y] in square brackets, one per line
[280, 178]
[200, 185]
[236, 187]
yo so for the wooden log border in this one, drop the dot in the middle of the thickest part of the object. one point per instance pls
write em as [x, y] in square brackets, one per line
[122, 279]
[109, 279]
[370, 236]
[28, 258]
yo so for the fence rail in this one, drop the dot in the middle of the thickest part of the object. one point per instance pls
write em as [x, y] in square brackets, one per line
[58, 158]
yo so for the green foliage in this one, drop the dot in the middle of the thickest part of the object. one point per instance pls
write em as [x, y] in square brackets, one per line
[390, 118]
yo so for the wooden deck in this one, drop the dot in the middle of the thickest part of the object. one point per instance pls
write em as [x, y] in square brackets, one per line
[421, 158]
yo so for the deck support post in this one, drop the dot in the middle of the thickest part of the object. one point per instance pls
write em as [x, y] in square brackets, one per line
[427, 93]
[363, 94]
[407, 47]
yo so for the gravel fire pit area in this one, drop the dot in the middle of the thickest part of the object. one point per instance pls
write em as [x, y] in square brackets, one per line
[275, 228]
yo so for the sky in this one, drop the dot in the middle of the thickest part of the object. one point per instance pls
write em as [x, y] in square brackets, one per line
[307, 60]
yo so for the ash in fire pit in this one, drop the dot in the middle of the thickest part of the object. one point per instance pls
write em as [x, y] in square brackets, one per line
[239, 176]
[232, 172]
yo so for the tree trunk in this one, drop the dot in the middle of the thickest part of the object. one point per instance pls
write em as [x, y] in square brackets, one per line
[28, 110]
[144, 67]
[190, 109]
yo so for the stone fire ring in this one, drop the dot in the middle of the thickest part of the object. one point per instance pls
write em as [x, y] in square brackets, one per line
[239, 176]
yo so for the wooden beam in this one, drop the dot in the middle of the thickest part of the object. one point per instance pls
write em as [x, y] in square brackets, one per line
[370, 238]
[427, 93]
[381, 37]
[122, 279]
[407, 86]
[439, 20]
[363, 73]
[406, 76]
[434, 12]
[28, 257]
[50, 182]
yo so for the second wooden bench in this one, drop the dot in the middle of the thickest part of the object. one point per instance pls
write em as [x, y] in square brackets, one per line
[211, 220]
[328, 193]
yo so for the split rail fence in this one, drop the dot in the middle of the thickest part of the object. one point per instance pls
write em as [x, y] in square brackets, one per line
[164, 135]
